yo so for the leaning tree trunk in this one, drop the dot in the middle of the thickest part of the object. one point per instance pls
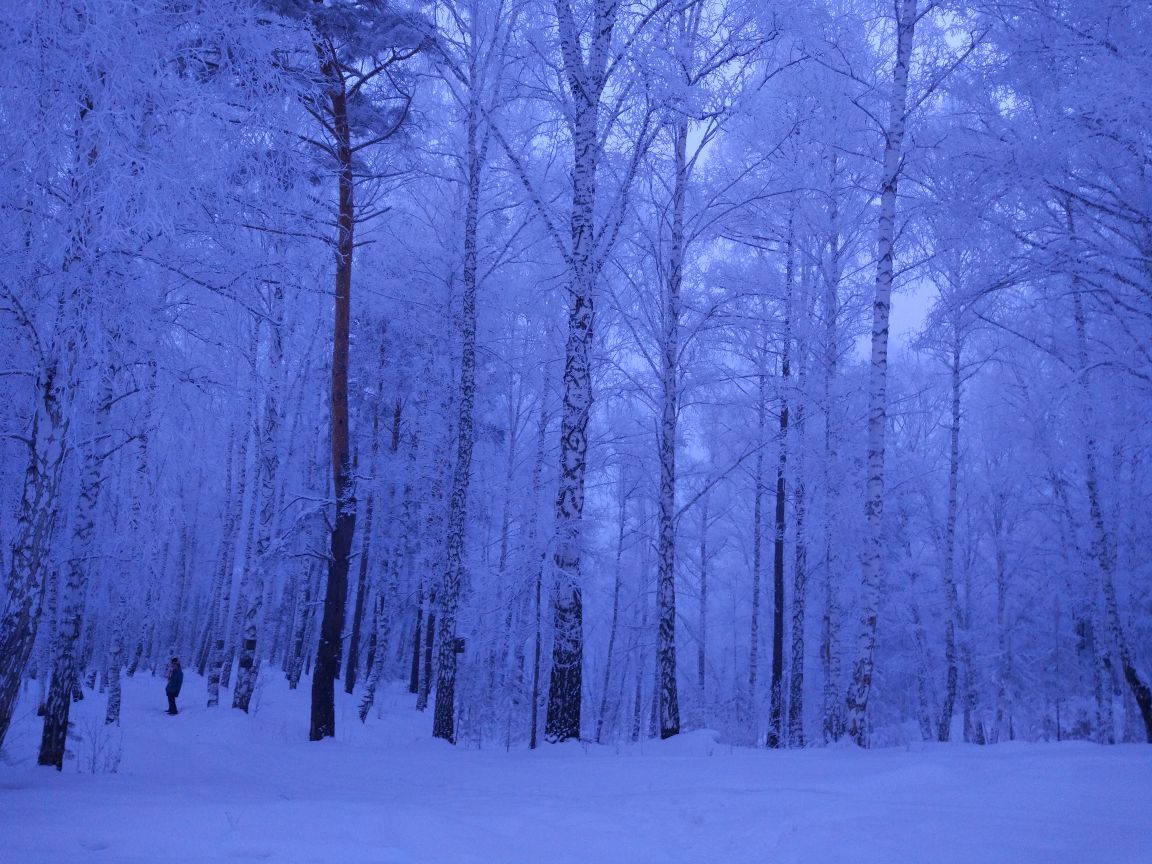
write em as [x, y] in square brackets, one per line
[872, 553]
[35, 523]
[64, 666]
[613, 627]
[1102, 547]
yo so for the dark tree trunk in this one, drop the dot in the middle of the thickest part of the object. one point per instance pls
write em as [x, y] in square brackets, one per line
[417, 643]
[351, 670]
[776, 705]
[429, 647]
[799, 590]
[329, 648]
[667, 690]
[757, 537]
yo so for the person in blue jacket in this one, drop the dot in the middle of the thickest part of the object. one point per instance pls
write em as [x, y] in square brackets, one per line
[175, 681]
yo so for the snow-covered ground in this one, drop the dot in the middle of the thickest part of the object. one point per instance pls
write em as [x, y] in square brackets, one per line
[217, 786]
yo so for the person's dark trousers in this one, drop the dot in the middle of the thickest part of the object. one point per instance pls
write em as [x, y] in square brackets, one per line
[171, 703]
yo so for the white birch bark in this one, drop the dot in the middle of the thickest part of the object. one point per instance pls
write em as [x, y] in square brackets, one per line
[115, 663]
[385, 588]
[236, 473]
[31, 547]
[832, 726]
[585, 82]
[872, 553]
[476, 148]
[951, 596]
[617, 573]
[138, 544]
[269, 357]
[795, 727]
[1005, 728]
[536, 561]
[668, 694]
[588, 59]
[702, 615]
[65, 667]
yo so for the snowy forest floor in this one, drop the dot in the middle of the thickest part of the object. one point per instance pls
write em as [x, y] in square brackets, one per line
[217, 785]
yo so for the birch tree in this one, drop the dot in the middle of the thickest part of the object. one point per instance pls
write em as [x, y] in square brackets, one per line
[482, 36]
[591, 53]
[872, 552]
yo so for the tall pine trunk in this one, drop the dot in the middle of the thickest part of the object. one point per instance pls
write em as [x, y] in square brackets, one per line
[329, 649]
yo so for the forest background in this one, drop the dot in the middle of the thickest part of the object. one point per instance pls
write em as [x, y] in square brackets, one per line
[537, 355]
